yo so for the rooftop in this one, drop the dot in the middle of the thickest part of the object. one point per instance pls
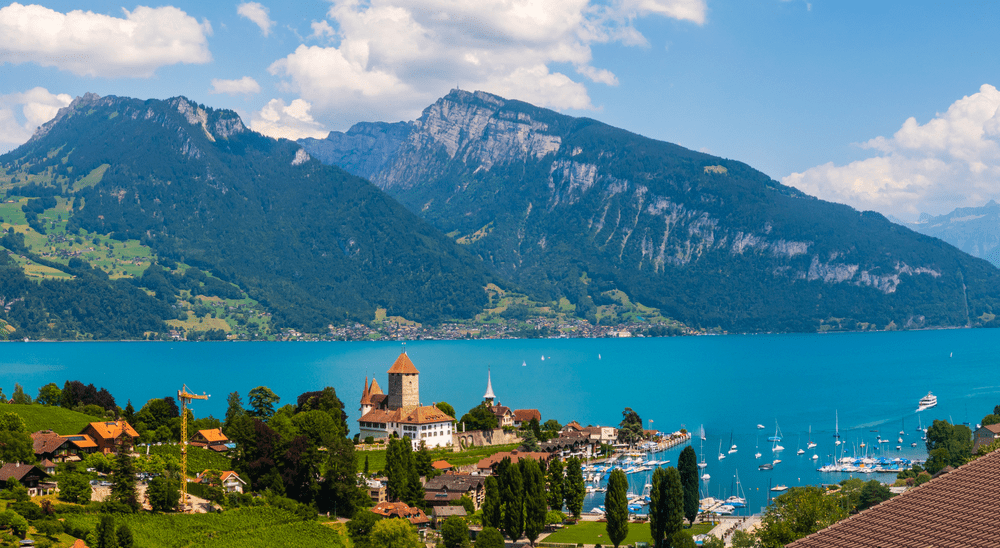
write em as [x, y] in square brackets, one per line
[403, 365]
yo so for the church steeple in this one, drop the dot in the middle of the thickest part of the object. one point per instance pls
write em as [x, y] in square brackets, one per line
[489, 396]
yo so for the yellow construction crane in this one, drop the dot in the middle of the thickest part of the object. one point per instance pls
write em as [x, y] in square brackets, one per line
[185, 397]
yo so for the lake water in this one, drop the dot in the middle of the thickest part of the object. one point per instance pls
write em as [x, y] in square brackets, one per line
[729, 384]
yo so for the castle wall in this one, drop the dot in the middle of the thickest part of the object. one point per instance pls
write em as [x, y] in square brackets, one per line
[483, 438]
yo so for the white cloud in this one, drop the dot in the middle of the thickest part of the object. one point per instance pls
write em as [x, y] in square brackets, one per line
[391, 58]
[951, 161]
[243, 86]
[291, 121]
[258, 14]
[92, 44]
[22, 113]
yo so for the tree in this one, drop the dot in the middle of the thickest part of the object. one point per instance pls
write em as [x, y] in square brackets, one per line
[489, 537]
[16, 444]
[403, 481]
[466, 502]
[455, 532]
[262, 402]
[673, 504]
[512, 499]
[123, 479]
[19, 396]
[104, 533]
[657, 508]
[366, 465]
[360, 527]
[234, 410]
[529, 442]
[535, 504]
[480, 417]
[799, 512]
[445, 408]
[492, 506]
[687, 465]
[741, 539]
[49, 394]
[947, 444]
[574, 489]
[873, 493]
[630, 429]
[164, 494]
[49, 527]
[555, 484]
[129, 413]
[124, 535]
[74, 488]
[394, 533]
[616, 506]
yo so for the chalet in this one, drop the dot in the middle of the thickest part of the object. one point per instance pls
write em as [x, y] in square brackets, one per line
[488, 465]
[212, 439]
[505, 417]
[81, 444]
[445, 489]
[984, 435]
[49, 445]
[524, 416]
[399, 412]
[953, 510]
[26, 474]
[107, 434]
[442, 466]
[231, 482]
[415, 516]
[48, 466]
[441, 513]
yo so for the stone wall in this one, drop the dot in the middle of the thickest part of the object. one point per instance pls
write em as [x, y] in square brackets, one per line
[482, 438]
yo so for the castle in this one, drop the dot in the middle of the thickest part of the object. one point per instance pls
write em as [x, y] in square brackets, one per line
[399, 412]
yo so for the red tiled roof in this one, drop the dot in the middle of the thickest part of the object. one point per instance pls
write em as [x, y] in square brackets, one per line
[19, 471]
[213, 435]
[995, 428]
[415, 516]
[82, 441]
[514, 456]
[113, 429]
[955, 510]
[500, 410]
[374, 389]
[46, 441]
[403, 365]
[46, 463]
[414, 415]
[441, 465]
[525, 415]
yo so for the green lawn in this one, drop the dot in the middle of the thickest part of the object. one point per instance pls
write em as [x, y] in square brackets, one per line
[46, 417]
[199, 459]
[595, 532]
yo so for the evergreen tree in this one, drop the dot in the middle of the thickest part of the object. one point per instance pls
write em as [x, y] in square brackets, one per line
[492, 506]
[673, 507]
[124, 535]
[129, 413]
[555, 484]
[123, 480]
[657, 512]
[19, 396]
[687, 465]
[616, 507]
[512, 499]
[233, 411]
[529, 442]
[366, 465]
[574, 489]
[535, 504]
[104, 533]
[400, 469]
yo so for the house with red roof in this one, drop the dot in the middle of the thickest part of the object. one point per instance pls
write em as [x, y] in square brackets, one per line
[106, 434]
[212, 439]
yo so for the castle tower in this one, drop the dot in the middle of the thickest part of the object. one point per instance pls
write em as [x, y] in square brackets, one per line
[404, 383]
[365, 398]
[489, 396]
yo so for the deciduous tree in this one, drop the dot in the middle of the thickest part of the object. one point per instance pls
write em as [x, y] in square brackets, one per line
[489, 537]
[262, 402]
[394, 533]
[799, 512]
[455, 532]
[16, 444]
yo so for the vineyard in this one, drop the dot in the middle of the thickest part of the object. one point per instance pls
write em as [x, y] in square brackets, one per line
[241, 528]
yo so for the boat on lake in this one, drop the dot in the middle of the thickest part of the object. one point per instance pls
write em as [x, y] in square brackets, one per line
[732, 449]
[766, 466]
[780, 487]
[777, 433]
[926, 402]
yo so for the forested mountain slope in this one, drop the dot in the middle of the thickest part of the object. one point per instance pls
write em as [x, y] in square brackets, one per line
[572, 207]
[312, 243]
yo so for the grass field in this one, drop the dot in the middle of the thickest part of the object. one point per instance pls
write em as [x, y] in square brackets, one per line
[199, 459]
[376, 459]
[46, 417]
[243, 528]
[595, 532]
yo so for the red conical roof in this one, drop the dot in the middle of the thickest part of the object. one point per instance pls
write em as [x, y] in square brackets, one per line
[403, 365]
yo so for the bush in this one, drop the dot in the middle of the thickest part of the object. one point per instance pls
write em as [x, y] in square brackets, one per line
[29, 510]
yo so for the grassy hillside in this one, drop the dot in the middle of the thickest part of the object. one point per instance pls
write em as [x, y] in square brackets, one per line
[243, 528]
[199, 459]
[46, 417]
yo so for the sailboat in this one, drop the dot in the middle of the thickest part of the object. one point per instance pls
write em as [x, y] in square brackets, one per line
[836, 427]
[524, 363]
[701, 432]
[811, 443]
[732, 449]
[777, 433]
[801, 451]
[920, 424]
[757, 448]
[721, 454]
[702, 464]
[738, 498]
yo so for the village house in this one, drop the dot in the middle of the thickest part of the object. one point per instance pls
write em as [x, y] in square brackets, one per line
[487, 466]
[439, 514]
[212, 439]
[399, 412]
[28, 475]
[445, 489]
[415, 516]
[524, 416]
[107, 434]
[984, 435]
[51, 446]
[506, 417]
[376, 489]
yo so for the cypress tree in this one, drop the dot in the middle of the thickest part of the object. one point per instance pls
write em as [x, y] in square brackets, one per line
[395, 471]
[535, 503]
[512, 497]
[366, 465]
[574, 489]
[492, 510]
[673, 497]
[656, 506]
[616, 507]
[555, 484]
[687, 465]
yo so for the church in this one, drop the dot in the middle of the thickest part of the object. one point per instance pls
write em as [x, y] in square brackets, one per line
[399, 412]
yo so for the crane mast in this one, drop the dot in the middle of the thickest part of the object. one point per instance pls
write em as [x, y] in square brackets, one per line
[185, 397]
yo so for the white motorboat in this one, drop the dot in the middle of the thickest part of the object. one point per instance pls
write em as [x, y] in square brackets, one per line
[779, 488]
[926, 402]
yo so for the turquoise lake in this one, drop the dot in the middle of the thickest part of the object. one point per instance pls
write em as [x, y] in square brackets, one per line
[729, 384]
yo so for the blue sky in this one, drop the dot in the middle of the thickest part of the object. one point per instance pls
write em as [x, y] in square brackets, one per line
[888, 106]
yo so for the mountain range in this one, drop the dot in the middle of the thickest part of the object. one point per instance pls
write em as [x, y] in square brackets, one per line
[974, 230]
[415, 219]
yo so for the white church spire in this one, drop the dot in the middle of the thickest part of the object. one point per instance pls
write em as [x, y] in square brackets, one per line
[489, 396]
